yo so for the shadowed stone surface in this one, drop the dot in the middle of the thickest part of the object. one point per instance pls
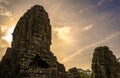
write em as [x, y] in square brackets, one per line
[104, 64]
[30, 55]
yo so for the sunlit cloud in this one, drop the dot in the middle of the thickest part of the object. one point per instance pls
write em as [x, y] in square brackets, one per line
[4, 1]
[8, 37]
[81, 11]
[3, 28]
[87, 27]
[57, 7]
[106, 39]
[3, 43]
[63, 33]
[5, 12]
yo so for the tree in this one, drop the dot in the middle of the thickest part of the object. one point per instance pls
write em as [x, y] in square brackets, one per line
[79, 73]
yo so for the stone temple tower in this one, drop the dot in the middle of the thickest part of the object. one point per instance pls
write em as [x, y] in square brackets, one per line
[104, 64]
[30, 55]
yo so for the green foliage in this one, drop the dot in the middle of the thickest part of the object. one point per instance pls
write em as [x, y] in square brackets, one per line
[73, 70]
[80, 73]
[84, 75]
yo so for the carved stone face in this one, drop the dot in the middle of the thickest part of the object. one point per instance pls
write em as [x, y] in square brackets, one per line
[38, 35]
[41, 35]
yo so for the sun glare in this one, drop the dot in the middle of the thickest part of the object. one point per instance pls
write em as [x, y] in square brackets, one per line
[8, 37]
[64, 33]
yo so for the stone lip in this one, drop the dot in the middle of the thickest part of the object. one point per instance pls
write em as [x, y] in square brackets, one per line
[30, 55]
[104, 63]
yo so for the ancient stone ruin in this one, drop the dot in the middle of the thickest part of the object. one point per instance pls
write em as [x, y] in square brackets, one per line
[104, 64]
[30, 55]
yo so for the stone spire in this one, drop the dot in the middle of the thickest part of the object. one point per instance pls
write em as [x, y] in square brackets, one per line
[30, 55]
[104, 64]
[33, 28]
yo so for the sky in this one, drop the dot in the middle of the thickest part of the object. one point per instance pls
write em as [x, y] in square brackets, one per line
[78, 27]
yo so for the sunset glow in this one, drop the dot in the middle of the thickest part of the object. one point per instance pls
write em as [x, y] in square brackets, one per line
[78, 27]
[8, 37]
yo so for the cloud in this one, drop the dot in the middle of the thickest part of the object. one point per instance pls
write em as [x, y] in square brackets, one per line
[103, 1]
[3, 44]
[87, 27]
[106, 39]
[5, 12]
[4, 1]
[100, 2]
[81, 11]
[63, 33]
[8, 37]
[3, 28]
[57, 7]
